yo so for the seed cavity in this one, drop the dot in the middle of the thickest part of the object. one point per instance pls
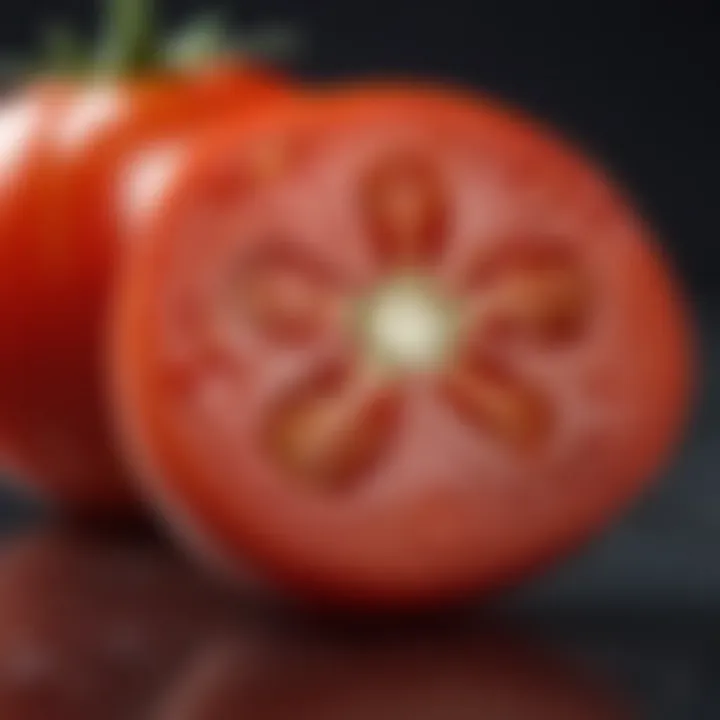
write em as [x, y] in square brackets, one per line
[537, 292]
[286, 295]
[406, 209]
[492, 399]
[334, 429]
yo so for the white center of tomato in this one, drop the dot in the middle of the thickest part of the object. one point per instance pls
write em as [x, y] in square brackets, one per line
[408, 325]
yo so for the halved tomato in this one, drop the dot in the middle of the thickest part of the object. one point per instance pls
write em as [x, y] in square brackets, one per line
[394, 345]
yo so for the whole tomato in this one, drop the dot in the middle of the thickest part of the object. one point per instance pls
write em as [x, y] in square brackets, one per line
[425, 351]
[66, 145]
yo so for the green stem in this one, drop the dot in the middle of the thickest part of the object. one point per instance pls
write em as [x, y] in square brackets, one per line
[198, 43]
[130, 43]
[60, 48]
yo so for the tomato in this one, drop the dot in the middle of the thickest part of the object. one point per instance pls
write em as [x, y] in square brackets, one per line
[67, 147]
[430, 351]
[496, 676]
[97, 626]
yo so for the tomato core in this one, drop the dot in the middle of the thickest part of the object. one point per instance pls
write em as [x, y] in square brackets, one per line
[407, 324]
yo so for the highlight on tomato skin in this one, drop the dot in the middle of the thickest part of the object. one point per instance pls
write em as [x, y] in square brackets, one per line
[428, 350]
[67, 141]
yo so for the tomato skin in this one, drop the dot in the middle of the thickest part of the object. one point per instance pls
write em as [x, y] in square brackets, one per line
[60, 239]
[417, 548]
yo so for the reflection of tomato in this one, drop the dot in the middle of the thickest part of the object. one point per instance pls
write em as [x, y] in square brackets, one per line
[424, 351]
[95, 627]
[427, 678]
[64, 148]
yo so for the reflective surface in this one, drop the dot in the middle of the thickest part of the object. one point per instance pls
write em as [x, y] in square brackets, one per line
[105, 625]
[492, 675]
[92, 626]
[114, 625]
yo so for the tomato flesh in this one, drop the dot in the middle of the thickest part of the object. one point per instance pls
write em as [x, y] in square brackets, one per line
[460, 355]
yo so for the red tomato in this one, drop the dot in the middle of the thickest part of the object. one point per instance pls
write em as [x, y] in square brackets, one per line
[66, 149]
[428, 352]
[96, 627]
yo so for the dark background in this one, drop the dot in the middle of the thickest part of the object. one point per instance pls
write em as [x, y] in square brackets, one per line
[635, 83]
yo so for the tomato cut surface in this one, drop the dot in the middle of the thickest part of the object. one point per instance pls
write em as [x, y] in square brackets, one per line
[429, 351]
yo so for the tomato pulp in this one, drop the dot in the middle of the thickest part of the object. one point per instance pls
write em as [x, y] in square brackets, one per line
[66, 149]
[395, 345]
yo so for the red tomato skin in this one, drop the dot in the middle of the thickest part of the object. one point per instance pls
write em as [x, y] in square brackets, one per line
[233, 532]
[60, 240]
